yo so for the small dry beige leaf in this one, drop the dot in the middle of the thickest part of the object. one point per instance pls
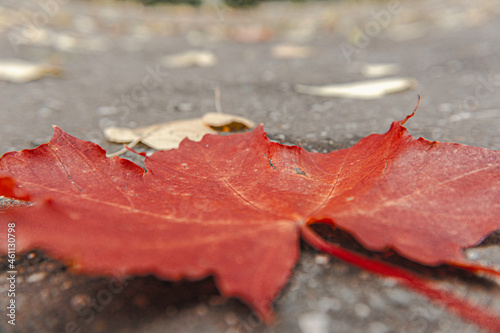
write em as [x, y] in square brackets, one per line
[190, 59]
[251, 33]
[161, 136]
[379, 70]
[371, 89]
[223, 122]
[291, 51]
[169, 135]
[123, 134]
[21, 71]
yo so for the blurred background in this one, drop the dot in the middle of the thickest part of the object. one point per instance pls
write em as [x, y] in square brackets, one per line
[120, 63]
[89, 65]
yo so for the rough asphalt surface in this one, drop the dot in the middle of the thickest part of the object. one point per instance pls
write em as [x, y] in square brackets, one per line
[113, 76]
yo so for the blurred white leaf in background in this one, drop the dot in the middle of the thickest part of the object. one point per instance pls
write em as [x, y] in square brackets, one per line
[371, 89]
[195, 58]
[22, 71]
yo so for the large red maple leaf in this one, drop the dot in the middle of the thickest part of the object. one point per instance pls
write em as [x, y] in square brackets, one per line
[235, 206]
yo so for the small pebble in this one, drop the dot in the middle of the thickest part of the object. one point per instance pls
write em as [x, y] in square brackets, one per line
[314, 322]
[321, 259]
[184, 107]
[106, 110]
[36, 277]
[201, 309]
[329, 304]
[472, 255]
[66, 285]
[399, 296]
[80, 301]
[362, 310]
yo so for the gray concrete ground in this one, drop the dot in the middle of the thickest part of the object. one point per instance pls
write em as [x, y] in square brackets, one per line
[113, 76]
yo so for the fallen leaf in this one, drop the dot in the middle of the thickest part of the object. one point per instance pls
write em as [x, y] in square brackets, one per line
[223, 122]
[161, 136]
[360, 90]
[251, 33]
[21, 71]
[169, 135]
[291, 51]
[190, 59]
[379, 70]
[235, 206]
